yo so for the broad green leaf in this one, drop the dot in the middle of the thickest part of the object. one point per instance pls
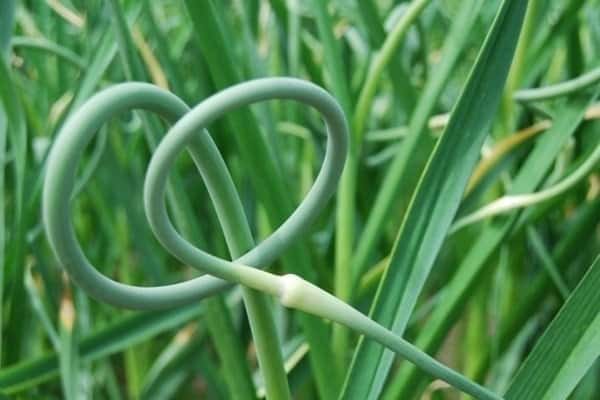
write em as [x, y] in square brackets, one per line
[567, 349]
[436, 200]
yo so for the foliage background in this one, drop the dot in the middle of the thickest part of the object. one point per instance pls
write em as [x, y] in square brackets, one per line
[495, 285]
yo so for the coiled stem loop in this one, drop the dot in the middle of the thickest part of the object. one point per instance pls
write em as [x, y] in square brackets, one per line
[188, 132]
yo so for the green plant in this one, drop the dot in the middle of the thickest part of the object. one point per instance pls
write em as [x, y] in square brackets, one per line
[465, 220]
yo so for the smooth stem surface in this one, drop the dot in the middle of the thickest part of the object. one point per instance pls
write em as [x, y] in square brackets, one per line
[239, 239]
[299, 294]
[50, 47]
[560, 89]
[257, 152]
[513, 202]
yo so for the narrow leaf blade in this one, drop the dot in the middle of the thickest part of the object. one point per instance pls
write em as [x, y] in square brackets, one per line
[568, 347]
[436, 199]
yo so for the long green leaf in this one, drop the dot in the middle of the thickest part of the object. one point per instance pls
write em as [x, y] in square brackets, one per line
[488, 241]
[568, 348]
[13, 266]
[345, 210]
[437, 199]
[398, 169]
[7, 14]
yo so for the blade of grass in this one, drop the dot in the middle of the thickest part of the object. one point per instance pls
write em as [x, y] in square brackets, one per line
[561, 89]
[567, 349]
[397, 170]
[13, 266]
[398, 73]
[344, 228]
[550, 267]
[474, 264]
[7, 15]
[68, 356]
[115, 337]
[46, 45]
[34, 287]
[229, 348]
[436, 200]
[508, 203]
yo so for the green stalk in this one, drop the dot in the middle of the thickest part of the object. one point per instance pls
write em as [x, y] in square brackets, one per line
[270, 359]
[48, 46]
[515, 77]
[509, 203]
[379, 64]
[7, 14]
[561, 89]
[291, 290]
[396, 171]
[69, 352]
[345, 220]
[79, 130]
[546, 259]
[239, 384]
[268, 177]
[344, 226]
